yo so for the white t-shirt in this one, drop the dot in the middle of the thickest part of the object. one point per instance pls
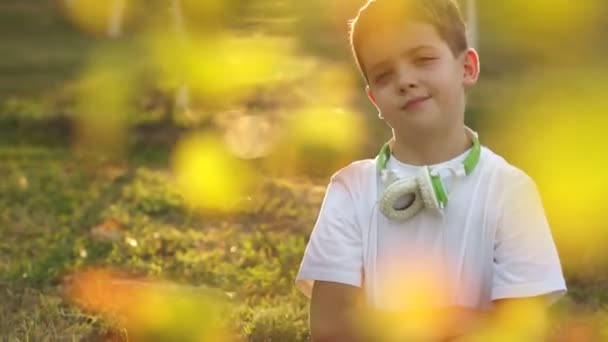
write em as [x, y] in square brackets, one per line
[492, 241]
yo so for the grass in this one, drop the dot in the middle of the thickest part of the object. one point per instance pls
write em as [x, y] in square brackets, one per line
[40, 50]
[54, 201]
[52, 206]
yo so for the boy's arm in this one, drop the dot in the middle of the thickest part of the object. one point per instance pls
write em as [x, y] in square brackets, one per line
[453, 323]
[506, 314]
[520, 318]
[526, 262]
[333, 308]
[331, 272]
[337, 314]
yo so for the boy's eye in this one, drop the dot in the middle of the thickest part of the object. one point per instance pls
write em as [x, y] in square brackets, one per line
[382, 76]
[425, 59]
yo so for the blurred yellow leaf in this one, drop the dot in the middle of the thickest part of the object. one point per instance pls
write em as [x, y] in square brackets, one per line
[331, 128]
[559, 137]
[218, 68]
[317, 140]
[208, 175]
[151, 311]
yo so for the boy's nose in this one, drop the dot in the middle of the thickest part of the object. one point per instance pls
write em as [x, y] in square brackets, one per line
[405, 87]
[406, 82]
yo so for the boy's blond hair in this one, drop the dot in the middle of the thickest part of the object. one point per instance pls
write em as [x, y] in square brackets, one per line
[375, 15]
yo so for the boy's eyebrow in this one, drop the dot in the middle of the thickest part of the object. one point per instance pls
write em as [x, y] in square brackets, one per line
[418, 48]
[407, 52]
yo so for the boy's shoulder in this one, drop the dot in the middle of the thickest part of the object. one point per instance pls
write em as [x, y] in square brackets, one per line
[356, 172]
[506, 180]
[503, 169]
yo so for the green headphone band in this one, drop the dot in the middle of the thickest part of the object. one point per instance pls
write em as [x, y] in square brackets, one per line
[383, 157]
[469, 164]
[442, 195]
[472, 159]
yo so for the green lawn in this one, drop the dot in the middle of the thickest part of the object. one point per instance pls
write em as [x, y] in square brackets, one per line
[51, 205]
[53, 199]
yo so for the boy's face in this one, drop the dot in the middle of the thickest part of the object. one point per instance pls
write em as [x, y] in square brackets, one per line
[415, 80]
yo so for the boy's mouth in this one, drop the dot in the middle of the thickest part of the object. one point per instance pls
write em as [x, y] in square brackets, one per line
[415, 102]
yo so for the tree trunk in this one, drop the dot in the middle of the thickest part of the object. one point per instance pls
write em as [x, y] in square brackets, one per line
[471, 17]
[116, 18]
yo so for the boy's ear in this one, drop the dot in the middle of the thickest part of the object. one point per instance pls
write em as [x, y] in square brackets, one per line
[471, 67]
[370, 95]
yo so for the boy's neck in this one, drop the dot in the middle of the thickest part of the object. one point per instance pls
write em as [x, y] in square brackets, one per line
[430, 149]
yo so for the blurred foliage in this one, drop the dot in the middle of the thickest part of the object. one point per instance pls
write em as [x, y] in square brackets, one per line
[135, 221]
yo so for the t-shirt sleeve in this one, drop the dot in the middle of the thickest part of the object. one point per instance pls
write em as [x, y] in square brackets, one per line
[334, 252]
[526, 262]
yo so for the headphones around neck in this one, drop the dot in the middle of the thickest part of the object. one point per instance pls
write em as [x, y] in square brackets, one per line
[404, 198]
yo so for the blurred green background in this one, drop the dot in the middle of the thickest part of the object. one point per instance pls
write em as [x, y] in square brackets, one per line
[189, 142]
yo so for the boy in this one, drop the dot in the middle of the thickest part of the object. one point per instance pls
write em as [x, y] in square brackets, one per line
[435, 204]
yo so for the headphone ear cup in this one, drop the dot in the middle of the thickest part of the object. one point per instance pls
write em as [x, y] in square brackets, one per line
[427, 190]
[394, 192]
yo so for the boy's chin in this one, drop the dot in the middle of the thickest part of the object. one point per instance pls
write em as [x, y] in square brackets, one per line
[428, 121]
